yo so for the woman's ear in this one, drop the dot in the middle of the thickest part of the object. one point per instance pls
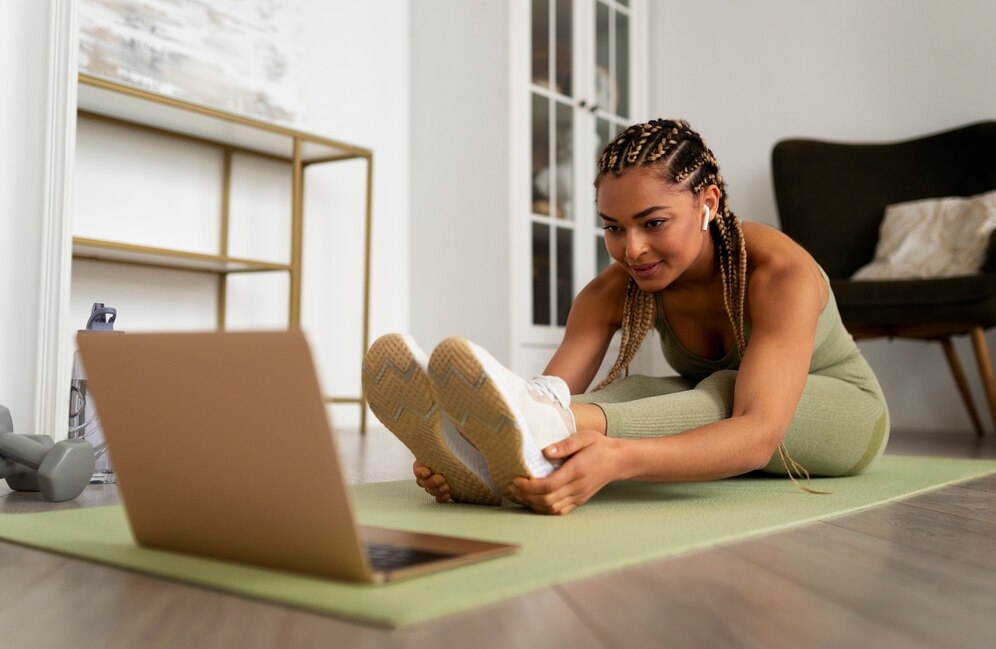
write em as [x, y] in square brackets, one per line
[710, 198]
[710, 205]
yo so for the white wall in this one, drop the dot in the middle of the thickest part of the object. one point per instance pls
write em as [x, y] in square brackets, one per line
[357, 90]
[460, 169]
[746, 74]
[23, 76]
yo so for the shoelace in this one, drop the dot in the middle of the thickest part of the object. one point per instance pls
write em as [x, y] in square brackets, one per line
[542, 388]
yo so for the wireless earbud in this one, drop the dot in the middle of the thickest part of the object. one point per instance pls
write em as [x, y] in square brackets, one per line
[705, 221]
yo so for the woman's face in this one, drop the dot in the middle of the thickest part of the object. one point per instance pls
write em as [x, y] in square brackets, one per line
[655, 231]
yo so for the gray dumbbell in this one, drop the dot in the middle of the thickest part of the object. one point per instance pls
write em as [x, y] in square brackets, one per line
[20, 477]
[63, 470]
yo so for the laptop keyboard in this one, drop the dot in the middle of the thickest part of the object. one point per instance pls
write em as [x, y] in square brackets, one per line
[391, 557]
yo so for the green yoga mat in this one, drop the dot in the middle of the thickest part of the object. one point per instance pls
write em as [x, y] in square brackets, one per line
[626, 524]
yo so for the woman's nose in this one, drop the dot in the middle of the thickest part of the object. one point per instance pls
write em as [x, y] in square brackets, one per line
[635, 246]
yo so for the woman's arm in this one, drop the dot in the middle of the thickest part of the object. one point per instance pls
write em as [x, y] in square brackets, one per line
[595, 316]
[786, 294]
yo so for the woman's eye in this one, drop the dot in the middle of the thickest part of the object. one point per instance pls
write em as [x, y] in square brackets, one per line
[655, 223]
[612, 229]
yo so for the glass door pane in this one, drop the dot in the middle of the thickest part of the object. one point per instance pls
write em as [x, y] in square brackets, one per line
[541, 191]
[621, 68]
[565, 273]
[564, 35]
[603, 66]
[611, 73]
[541, 43]
[553, 168]
[564, 190]
[541, 274]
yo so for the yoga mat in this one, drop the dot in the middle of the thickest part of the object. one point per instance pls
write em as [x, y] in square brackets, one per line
[626, 524]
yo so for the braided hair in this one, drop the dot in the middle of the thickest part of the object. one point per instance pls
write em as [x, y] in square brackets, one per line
[677, 155]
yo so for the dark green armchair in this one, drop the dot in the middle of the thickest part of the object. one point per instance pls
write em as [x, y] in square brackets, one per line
[831, 198]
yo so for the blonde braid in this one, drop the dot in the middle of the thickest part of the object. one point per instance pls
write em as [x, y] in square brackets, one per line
[639, 311]
[731, 250]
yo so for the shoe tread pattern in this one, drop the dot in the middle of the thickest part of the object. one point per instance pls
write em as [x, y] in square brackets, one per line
[400, 395]
[474, 402]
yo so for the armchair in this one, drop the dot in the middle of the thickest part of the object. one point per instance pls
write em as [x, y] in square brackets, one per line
[831, 199]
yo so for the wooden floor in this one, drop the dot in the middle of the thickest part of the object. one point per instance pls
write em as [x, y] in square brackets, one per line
[916, 573]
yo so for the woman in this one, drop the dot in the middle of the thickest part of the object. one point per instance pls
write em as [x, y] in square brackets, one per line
[769, 378]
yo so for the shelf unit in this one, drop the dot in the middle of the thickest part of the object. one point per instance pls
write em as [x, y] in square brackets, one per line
[135, 108]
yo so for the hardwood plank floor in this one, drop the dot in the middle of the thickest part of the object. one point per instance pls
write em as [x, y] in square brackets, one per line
[973, 501]
[918, 573]
[937, 532]
[941, 600]
[716, 599]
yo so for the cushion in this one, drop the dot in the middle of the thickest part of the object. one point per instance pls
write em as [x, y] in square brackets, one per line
[937, 237]
[879, 303]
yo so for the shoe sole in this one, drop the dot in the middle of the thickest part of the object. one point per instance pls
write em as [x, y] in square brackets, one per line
[399, 393]
[476, 405]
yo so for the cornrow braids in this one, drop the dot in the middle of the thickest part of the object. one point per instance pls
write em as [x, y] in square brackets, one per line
[679, 156]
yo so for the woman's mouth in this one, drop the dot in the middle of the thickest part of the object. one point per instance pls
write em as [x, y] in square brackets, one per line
[642, 271]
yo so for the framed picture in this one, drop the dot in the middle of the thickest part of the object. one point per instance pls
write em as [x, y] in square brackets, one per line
[240, 56]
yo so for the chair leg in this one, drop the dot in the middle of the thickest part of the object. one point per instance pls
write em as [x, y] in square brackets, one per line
[959, 377]
[985, 368]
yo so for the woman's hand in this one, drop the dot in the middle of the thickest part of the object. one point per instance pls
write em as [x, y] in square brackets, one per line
[434, 483]
[592, 461]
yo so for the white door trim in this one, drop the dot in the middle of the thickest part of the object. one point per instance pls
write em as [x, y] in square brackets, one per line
[55, 253]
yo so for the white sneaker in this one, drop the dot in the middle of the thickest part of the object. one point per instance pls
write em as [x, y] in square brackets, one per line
[400, 395]
[507, 418]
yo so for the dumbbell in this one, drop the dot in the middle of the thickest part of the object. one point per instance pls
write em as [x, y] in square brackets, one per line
[61, 470]
[20, 477]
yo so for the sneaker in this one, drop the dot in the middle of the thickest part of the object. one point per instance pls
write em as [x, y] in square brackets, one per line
[399, 393]
[507, 418]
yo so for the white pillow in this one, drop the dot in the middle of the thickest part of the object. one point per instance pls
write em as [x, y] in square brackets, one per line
[936, 237]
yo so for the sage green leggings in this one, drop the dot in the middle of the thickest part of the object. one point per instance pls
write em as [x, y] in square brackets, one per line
[840, 427]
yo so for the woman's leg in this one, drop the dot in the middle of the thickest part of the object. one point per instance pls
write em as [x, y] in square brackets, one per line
[635, 387]
[642, 406]
[588, 408]
[838, 428]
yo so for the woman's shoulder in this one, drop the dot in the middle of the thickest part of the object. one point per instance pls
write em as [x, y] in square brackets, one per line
[771, 249]
[776, 263]
[613, 279]
[768, 235]
[603, 297]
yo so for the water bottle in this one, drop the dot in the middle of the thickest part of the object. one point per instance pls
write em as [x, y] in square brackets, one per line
[83, 420]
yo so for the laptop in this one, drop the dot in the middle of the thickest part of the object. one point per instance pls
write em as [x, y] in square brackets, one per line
[222, 447]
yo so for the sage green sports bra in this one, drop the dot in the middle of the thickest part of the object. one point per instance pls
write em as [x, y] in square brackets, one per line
[833, 344]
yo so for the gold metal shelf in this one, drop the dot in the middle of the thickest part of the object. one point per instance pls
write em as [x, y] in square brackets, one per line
[126, 253]
[110, 99]
[130, 107]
